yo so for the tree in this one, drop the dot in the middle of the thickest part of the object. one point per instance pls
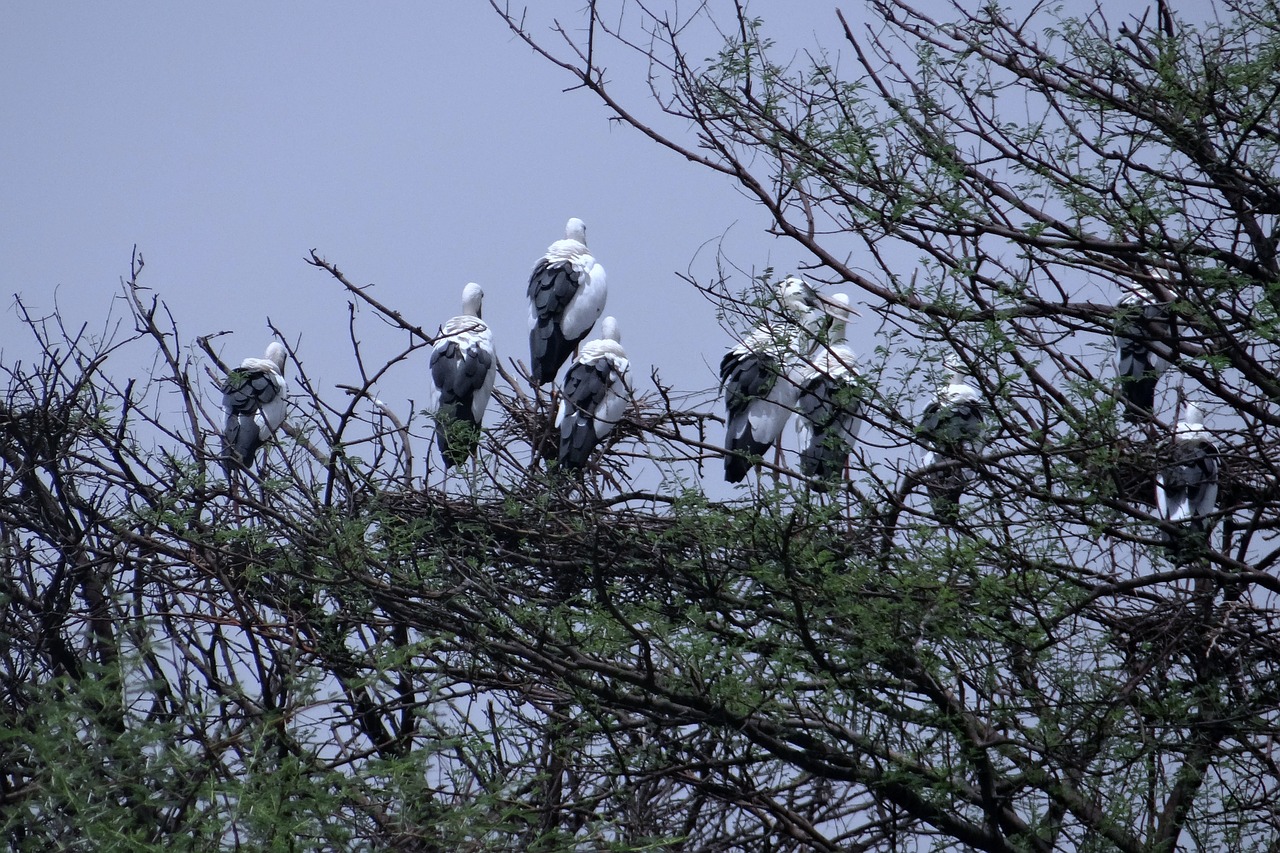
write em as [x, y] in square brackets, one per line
[325, 653]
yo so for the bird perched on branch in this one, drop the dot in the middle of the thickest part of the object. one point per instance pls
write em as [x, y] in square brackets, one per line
[759, 392]
[463, 367]
[1142, 326]
[829, 409]
[1187, 485]
[566, 296]
[254, 397]
[951, 428]
[596, 389]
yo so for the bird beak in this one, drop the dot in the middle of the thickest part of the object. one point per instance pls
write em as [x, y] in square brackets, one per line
[831, 306]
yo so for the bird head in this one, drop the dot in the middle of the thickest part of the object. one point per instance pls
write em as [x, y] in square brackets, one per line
[609, 329]
[276, 354]
[472, 299]
[576, 229]
[1192, 420]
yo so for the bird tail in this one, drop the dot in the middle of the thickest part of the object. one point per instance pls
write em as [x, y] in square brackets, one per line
[1139, 398]
[824, 457]
[240, 441]
[577, 440]
[741, 453]
[457, 435]
[549, 349]
[946, 486]
[1188, 543]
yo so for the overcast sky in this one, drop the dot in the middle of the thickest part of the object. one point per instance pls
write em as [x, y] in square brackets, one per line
[418, 146]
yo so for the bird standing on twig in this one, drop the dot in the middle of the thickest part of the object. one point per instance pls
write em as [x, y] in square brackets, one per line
[829, 408]
[952, 427]
[463, 367]
[1187, 485]
[595, 395]
[566, 296]
[253, 398]
[755, 377]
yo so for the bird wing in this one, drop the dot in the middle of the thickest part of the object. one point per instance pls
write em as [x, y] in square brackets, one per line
[747, 375]
[552, 285]
[566, 297]
[462, 376]
[254, 398]
[587, 304]
[830, 409]
[1187, 487]
[594, 398]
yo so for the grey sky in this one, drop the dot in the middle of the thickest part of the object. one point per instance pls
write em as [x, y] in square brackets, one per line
[417, 145]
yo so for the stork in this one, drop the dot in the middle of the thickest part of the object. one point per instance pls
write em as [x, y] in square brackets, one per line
[829, 409]
[595, 394]
[254, 397]
[566, 296]
[952, 426]
[755, 377]
[463, 367]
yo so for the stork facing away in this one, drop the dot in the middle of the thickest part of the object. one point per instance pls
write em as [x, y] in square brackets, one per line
[567, 293]
[757, 377]
[254, 397]
[463, 367]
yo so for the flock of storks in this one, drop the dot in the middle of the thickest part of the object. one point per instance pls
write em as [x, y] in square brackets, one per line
[795, 362]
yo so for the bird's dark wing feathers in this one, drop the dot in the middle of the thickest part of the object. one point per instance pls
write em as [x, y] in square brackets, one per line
[746, 377]
[585, 388]
[247, 391]
[946, 427]
[1192, 467]
[244, 393]
[459, 374]
[1139, 366]
[552, 287]
[824, 402]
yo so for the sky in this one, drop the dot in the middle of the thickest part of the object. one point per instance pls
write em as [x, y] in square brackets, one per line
[418, 146]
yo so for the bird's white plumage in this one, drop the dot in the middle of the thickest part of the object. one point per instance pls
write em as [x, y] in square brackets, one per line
[758, 377]
[463, 368]
[596, 391]
[567, 293]
[829, 415]
[254, 398]
[1187, 486]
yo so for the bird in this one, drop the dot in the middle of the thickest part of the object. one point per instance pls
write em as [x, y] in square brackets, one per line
[595, 392]
[756, 378]
[463, 367]
[951, 427]
[254, 397]
[1187, 485]
[829, 410]
[566, 296]
[1140, 322]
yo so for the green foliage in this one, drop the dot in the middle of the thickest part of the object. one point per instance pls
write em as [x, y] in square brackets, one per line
[332, 652]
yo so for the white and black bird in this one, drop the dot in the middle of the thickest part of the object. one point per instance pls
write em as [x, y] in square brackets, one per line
[1142, 328]
[952, 427]
[254, 397]
[829, 408]
[566, 296]
[463, 367]
[1187, 485]
[597, 388]
[757, 376]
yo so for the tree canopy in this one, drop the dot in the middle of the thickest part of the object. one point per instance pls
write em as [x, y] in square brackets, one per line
[328, 651]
